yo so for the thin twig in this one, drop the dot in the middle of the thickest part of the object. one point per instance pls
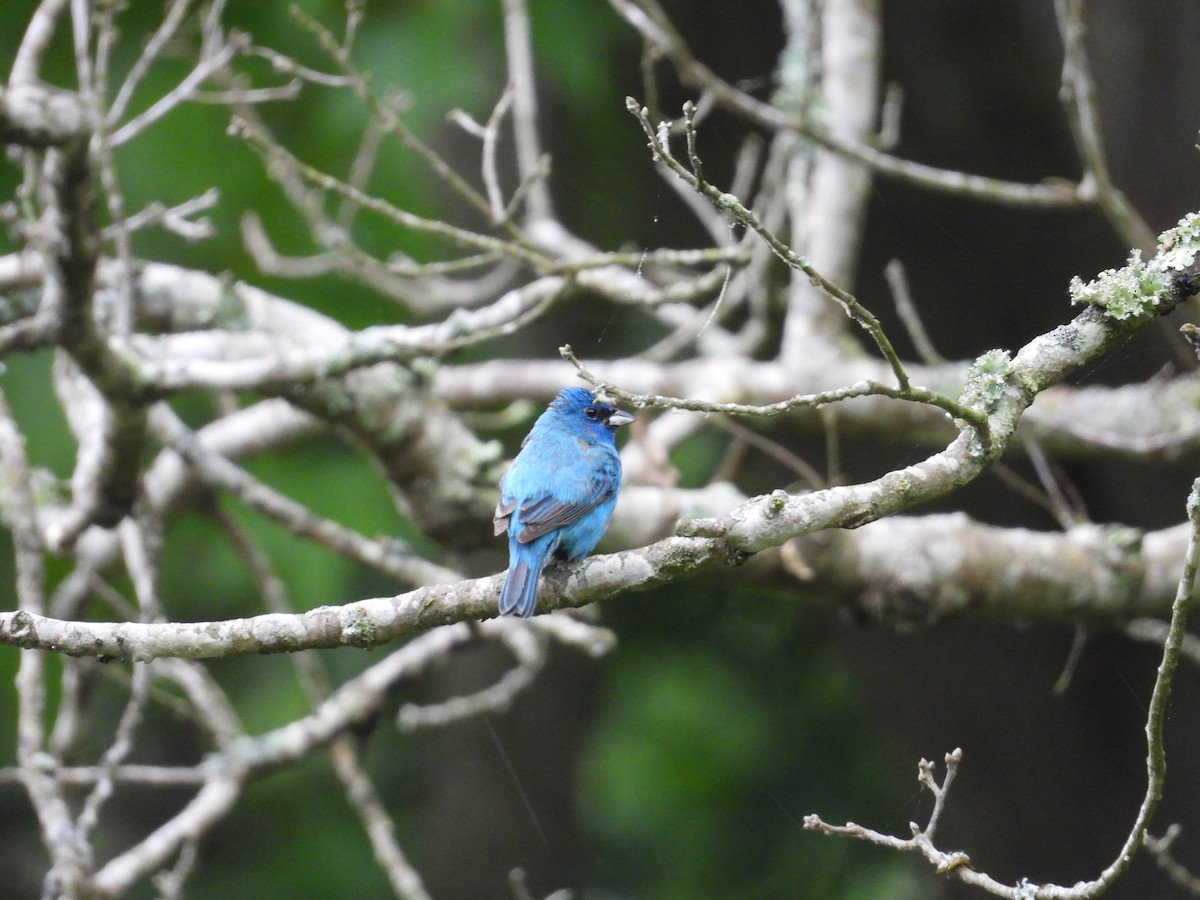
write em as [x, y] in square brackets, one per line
[393, 125]
[897, 281]
[217, 58]
[388, 556]
[659, 32]
[177, 10]
[274, 154]
[865, 388]
[1160, 849]
[726, 201]
[531, 165]
[38, 34]
[1078, 92]
[360, 789]
[959, 866]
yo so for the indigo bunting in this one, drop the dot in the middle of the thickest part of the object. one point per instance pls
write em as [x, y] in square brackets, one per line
[559, 494]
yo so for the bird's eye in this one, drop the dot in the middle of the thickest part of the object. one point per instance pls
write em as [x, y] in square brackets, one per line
[590, 412]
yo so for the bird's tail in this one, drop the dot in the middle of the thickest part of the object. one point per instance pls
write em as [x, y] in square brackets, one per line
[519, 594]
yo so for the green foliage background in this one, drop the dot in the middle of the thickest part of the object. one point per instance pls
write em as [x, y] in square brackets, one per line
[713, 728]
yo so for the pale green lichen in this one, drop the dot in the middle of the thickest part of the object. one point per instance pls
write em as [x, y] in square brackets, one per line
[1178, 246]
[1131, 292]
[1138, 289]
[988, 380]
[358, 630]
[777, 502]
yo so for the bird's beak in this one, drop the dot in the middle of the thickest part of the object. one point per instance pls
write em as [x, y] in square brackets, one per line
[619, 417]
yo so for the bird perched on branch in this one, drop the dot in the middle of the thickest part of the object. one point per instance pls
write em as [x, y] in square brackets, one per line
[559, 494]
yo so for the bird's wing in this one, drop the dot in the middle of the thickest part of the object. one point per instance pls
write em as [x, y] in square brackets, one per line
[546, 514]
[504, 511]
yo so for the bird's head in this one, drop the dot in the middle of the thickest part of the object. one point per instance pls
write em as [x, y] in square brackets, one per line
[580, 406]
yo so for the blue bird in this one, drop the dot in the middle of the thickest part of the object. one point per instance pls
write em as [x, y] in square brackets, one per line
[559, 494]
